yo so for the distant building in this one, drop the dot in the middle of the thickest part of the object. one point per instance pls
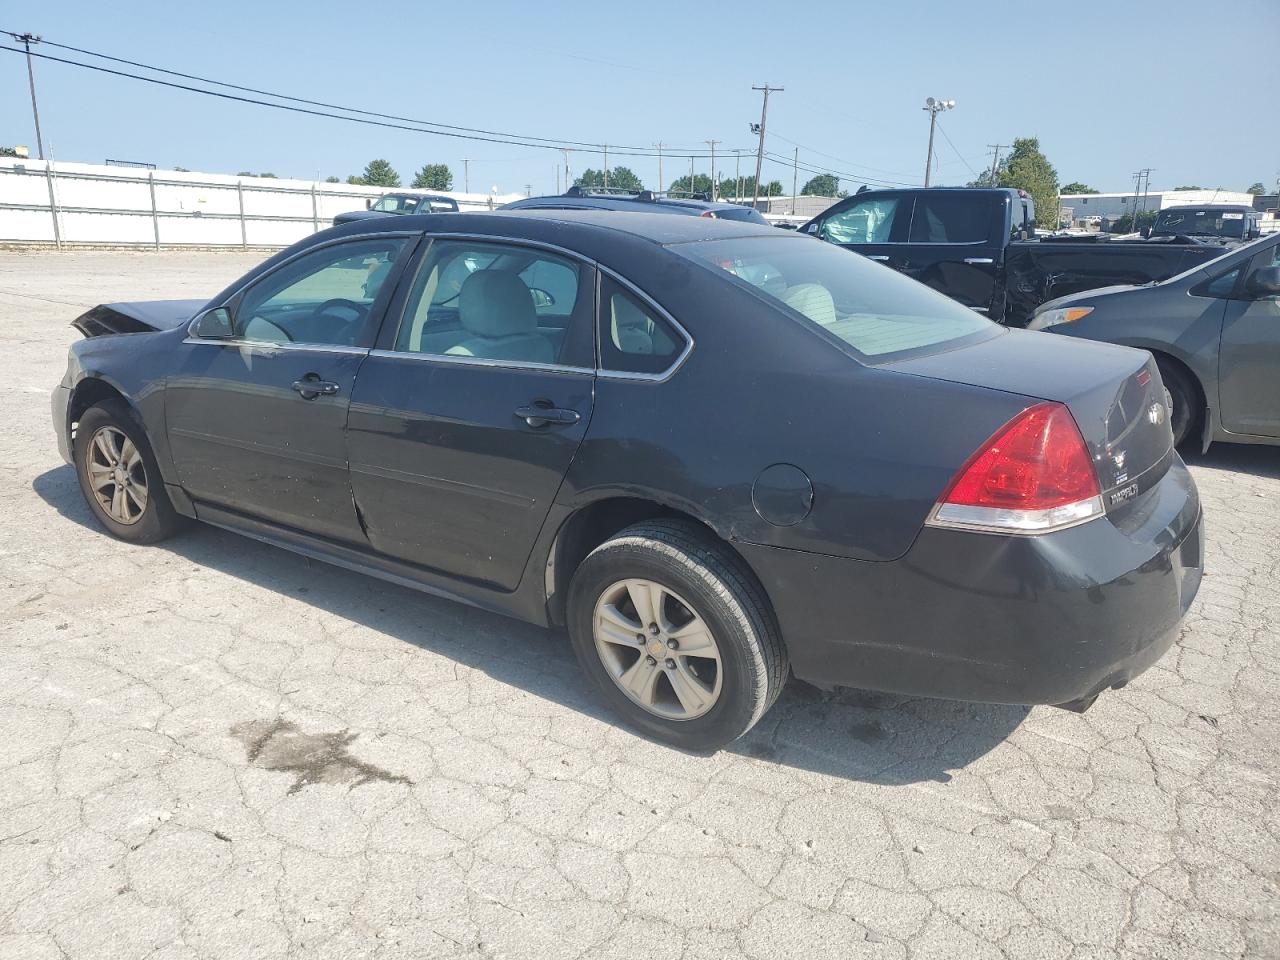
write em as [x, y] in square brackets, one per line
[1086, 207]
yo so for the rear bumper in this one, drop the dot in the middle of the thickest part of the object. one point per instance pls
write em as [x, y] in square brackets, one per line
[60, 401]
[968, 616]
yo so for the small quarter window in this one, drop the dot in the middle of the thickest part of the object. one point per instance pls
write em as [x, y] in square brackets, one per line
[633, 337]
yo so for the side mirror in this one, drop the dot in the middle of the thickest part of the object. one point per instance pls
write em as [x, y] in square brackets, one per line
[811, 228]
[1146, 233]
[1265, 282]
[214, 324]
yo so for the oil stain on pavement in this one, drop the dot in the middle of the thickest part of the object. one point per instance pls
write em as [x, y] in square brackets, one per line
[311, 757]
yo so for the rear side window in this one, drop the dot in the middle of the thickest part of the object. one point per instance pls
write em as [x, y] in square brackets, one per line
[740, 213]
[876, 311]
[952, 218]
[634, 338]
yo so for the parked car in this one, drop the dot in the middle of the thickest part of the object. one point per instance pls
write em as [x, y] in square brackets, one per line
[399, 204]
[1220, 223]
[1215, 334]
[640, 201]
[979, 247]
[716, 452]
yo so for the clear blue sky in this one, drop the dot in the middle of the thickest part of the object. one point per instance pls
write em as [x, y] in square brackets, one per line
[1177, 85]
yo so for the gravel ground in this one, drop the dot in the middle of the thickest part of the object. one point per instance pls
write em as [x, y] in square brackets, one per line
[213, 748]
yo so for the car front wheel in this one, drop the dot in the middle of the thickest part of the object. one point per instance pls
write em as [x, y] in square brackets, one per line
[119, 476]
[676, 635]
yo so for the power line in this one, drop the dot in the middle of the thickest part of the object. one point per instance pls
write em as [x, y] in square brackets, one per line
[367, 117]
[943, 131]
[829, 156]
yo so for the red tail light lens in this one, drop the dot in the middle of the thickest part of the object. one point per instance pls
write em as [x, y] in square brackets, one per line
[708, 213]
[1032, 476]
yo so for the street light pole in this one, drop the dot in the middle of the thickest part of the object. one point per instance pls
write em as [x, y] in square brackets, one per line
[934, 107]
[27, 40]
[712, 145]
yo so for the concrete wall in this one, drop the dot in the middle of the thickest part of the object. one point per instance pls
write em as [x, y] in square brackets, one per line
[82, 203]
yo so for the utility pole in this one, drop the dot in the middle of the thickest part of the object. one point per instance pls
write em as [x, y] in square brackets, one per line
[995, 161]
[558, 190]
[795, 179]
[606, 166]
[659, 145]
[568, 176]
[27, 39]
[934, 107]
[691, 174]
[528, 189]
[712, 145]
[764, 114]
[1146, 187]
[466, 175]
[737, 175]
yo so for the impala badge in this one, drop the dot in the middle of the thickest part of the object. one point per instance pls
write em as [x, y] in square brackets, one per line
[1155, 413]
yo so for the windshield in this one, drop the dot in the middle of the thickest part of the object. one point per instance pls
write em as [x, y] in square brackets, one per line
[1200, 222]
[878, 312]
[394, 204]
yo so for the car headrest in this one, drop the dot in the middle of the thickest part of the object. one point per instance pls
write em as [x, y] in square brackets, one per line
[496, 304]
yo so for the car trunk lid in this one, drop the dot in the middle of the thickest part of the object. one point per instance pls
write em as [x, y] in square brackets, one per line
[1114, 394]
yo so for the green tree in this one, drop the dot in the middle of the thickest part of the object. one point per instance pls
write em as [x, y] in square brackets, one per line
[701, 184]
[620, 178]
[1257, 189]
[1075, 186]
[379, 173]
[181, 170]
[8, 152]
[1125, 224]
[1030, 170]
[823, 185]
[434, 176]
[332, 180]
[1189, 188]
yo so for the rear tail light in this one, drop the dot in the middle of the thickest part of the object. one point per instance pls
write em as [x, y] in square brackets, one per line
[1034, 475]
[708, 213]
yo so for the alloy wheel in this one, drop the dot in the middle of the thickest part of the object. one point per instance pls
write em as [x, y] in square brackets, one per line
[116, 474]
[657, 649]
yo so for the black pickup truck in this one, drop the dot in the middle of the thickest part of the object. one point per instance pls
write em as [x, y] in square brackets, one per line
[978, 246]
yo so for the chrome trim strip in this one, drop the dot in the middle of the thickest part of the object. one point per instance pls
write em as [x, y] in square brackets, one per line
[980, 519]
[272, 345]
[676, 364]
[481, 362]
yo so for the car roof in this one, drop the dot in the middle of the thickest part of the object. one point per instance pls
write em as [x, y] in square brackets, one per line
[621, 202]
[569, 227]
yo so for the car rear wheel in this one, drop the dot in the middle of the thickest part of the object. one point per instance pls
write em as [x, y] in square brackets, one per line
[1182, 398]
[676, 635]
[119, 476]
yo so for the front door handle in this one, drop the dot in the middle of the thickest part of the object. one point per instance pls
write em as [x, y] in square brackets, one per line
[541, 412]
[978, 260]
[310, 389]
[877, 256]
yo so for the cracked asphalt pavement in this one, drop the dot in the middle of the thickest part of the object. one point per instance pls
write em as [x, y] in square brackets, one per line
[212, 748]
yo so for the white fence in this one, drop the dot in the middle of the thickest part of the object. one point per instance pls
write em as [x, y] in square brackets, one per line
[90, 204]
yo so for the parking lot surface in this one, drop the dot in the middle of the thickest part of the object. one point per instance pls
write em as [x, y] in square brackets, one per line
[212, 748]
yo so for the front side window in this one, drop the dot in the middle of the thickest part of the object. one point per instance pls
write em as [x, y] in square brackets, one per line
[866, 221]
[496, 302]
[879, 313]
[325, 297]
[953, 218]
[634, 338]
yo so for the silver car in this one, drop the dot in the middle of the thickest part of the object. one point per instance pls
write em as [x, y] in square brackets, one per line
[1215, 335]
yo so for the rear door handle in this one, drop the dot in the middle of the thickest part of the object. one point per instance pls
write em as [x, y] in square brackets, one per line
[540, 413]
[978, 260]
[310, 389]
[880, 257]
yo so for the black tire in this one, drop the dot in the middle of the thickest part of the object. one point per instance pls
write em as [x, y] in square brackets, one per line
[1184, 401]
[680, 557]
[157, 519]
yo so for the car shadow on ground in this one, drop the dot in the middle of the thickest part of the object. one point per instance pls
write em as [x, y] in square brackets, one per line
[1259, 461]
[854, 734]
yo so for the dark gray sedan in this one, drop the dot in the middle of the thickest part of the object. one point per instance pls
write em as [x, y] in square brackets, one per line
[1214, 332]
[716, 453]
